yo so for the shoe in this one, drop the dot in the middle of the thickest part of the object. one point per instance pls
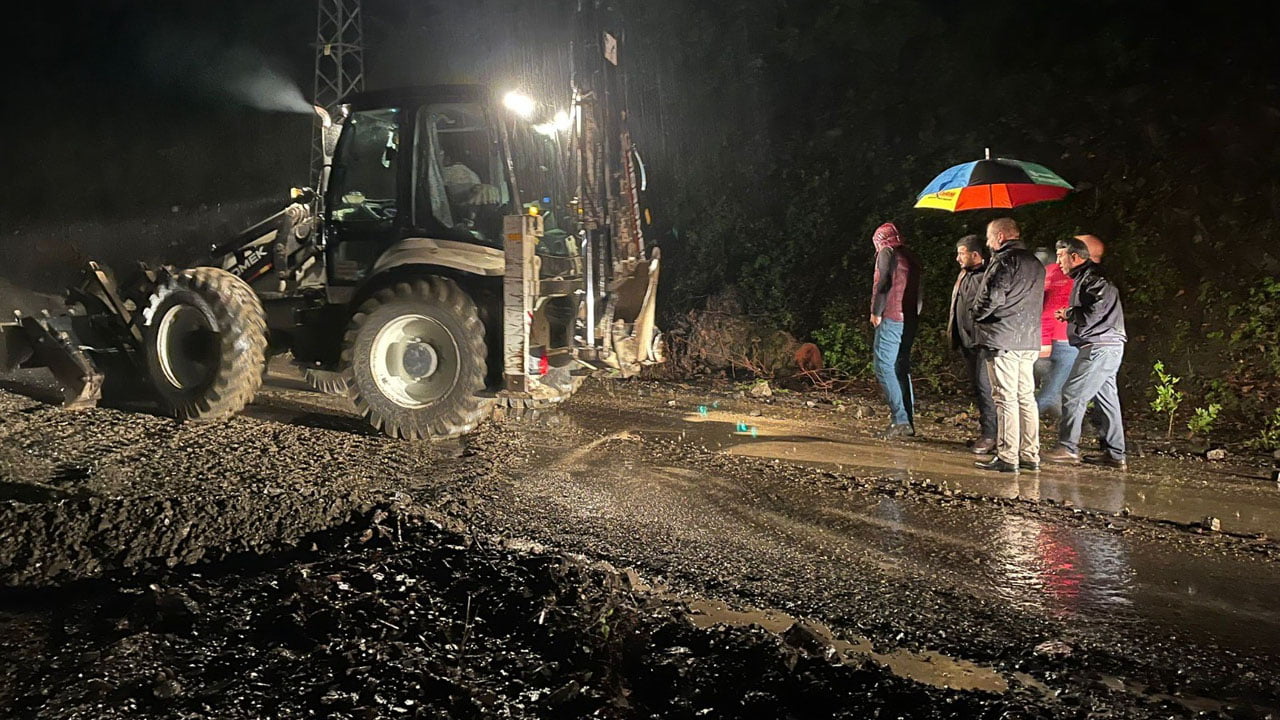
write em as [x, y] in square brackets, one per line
[983, 446]
[1061, 455]
[1106, 461]
[1028, 466]
[997, 465]
[898, 430]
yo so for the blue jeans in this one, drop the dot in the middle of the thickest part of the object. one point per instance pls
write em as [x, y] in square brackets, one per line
[1093, 377]
[1052, 373]
[892, 350]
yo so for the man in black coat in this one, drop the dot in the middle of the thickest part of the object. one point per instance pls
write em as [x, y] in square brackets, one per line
[1095, 325]
[971, 255]
[1006, 314]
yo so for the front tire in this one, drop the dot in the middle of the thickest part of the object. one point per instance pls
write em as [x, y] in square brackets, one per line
[415, 360]
[205, 337]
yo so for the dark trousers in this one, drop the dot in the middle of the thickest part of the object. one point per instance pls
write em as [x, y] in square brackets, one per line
[980, 390]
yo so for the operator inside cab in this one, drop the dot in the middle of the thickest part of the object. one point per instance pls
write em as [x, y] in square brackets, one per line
[464, 186]
[464, 190]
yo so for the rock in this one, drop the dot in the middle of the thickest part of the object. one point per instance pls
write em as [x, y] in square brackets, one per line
[671, 403]
[756, 413]
[761, 389]
[1056, 648]
[100, 687]
[803, 636]
[1216, 454]
[566, 693]
[1276, 454]
[859, 412]
[1211, 523]
[167, 688]
[810, 404]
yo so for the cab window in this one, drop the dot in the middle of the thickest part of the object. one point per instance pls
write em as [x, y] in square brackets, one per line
[364, 171]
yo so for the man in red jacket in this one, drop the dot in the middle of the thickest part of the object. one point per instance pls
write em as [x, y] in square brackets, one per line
[895, 312]
[1056, 354]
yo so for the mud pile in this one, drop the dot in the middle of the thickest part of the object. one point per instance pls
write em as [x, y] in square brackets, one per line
[419, 621]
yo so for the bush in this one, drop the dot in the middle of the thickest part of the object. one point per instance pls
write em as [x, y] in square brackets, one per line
[1167, 397]
[845, 347]
[1269, 437]
[1256, 336]
[1202, 422]
[720, 338]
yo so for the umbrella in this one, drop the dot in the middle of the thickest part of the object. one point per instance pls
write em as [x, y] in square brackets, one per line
[992, 183]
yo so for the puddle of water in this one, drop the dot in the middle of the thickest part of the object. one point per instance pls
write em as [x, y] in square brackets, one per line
[1074, 573]
[1188, 498]
[929, 667]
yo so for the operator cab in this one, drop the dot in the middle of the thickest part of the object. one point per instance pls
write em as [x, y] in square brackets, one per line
[425, 162]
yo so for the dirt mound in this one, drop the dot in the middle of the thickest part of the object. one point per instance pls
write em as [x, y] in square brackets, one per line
[424, 622]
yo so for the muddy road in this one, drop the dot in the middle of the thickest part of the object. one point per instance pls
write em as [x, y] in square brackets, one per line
[651, 550]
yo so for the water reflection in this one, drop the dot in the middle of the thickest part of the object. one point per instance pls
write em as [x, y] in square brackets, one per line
[1064, 571]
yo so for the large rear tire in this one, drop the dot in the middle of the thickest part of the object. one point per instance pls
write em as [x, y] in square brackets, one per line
[415, 360]
[205, 336]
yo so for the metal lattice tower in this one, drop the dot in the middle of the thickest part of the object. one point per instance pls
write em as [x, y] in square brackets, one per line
[339, 61]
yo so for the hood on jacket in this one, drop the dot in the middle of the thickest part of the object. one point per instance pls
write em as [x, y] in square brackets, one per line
[886, 236]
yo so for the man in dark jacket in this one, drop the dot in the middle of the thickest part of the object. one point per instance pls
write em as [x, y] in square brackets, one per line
[1095, 325]
[971, 255]
[895, 311]
[1006, 314]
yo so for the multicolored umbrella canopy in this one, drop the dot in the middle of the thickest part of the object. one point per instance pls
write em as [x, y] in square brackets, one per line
[992, 183]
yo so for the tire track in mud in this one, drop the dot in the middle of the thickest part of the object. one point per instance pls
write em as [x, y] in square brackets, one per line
[87, 492]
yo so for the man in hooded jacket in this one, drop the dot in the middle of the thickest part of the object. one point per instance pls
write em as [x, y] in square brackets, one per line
[1006, 316]
[895, 312]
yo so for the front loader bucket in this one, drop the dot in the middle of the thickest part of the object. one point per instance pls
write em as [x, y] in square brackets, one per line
[48, 341]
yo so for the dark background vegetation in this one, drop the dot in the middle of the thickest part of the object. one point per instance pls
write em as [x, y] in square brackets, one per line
[778, 133]
[805, 124]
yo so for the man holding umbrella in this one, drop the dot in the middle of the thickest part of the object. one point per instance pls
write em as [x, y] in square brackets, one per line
[1006, 315]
